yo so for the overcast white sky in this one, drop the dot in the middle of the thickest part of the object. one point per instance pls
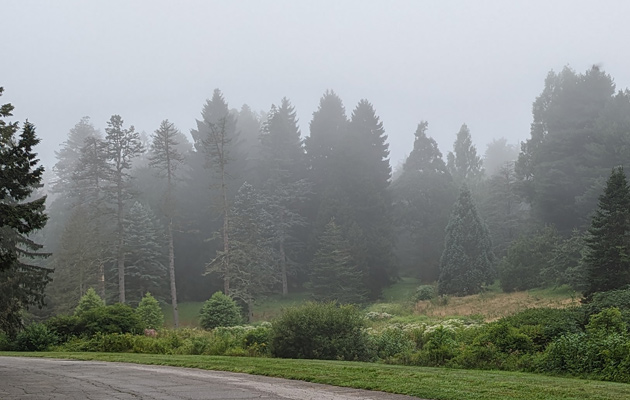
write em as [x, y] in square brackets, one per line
[447, 62]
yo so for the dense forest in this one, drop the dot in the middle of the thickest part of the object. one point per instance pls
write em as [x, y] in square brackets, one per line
[252, 206]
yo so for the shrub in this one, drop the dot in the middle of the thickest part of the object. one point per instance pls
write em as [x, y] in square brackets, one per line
[605, 323]
[392, 341]
[506, 338]
[5, 342]
[425, 292]
[150, 312]
[321, 331]
[66, 326]
[256, 340]
[219, 310]
[543, 325]
[603, 300]
[35, 337]
[116, 318]
[89, 301]
[439, 346]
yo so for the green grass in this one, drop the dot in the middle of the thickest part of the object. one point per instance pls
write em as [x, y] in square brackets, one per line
[272, 306]
[402, 290]
[188, 314]
[428, 383]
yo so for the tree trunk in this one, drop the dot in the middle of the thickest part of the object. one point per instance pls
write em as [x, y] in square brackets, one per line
[283, 258]
[171, 270]
[101, 283]
[226, 242]
[121, 250]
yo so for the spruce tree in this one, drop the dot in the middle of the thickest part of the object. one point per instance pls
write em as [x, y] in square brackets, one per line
[22, 283]
[464, 163]
[334, 274]
[467, 263]
[607, 259]
[423, 196]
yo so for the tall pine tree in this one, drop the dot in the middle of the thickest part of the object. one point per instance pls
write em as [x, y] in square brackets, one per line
[463, 162]
[467, 263]
[608, 256]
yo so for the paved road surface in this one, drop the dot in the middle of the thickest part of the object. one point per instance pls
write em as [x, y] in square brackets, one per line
[39, 379]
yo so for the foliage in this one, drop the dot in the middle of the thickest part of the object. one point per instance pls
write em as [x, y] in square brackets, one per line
[35, 337]
[425, 292]
[334, 273]
[526, 258]
[325, 331]
[22, 283]
[546, 324]
[392, 341]
[467, 263]
[89, 301]
[66, 327]
[607, 259]
[463, 163]
[219, 310]
[116, 318]
[150, 312]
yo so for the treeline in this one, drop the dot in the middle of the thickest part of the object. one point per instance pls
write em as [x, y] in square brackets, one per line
[252, 206]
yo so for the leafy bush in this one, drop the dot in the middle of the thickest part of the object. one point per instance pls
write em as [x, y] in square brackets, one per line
[321, 331]
[506, 338]
[116, 318]
[543, 325]
[5, 342]
[89, 301]
[66, 326]
[392, 341]
[219, 310]
[256, 340]
[603, 300]
[439, 346]
[605, 323]
[35, 337]
[425, 292]
[150, 312]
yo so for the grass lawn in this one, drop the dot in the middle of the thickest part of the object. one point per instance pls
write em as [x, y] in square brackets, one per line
[428, 383]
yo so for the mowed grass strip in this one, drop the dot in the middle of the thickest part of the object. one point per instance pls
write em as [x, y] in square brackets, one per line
[427, 383]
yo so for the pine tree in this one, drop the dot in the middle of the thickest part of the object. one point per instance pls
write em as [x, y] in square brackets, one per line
[166, 158]
[464, 163]
[123, 145]
[467, 263]
[150, 312]
[144, 255]
[335, 275]
[422, 198]
[283, 170]
[608, 250]
[22, 283]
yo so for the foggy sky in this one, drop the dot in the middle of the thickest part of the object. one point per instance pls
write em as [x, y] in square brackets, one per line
[447, 62]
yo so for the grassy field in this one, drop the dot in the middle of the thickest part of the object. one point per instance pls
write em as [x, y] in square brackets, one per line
[428, 383]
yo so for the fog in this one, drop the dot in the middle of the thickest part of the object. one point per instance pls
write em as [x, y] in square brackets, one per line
[447, 62]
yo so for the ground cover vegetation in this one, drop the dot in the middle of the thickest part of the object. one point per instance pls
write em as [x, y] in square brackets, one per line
[251, 210]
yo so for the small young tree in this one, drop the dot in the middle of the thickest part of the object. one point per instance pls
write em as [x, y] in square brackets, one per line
[467, 263]
[89, 301]
[608, 252]
[219, 310]
[150, 312]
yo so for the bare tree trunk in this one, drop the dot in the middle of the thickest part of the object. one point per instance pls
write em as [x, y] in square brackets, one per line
[101, 283]
[283, 258]
[171, 270]
[226, 241]
[250, 310]
[121, 250]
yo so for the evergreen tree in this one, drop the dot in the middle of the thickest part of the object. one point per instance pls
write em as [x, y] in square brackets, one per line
[467, 263]
[144, 243]
[607, 259]
[283, 170]
[22, 283]
[335, 275]
[166, 158]
[498, 154]
[123, 145]
[150, 312]
[422, 196]
[216, 138]
[463, 162]
[89, 301]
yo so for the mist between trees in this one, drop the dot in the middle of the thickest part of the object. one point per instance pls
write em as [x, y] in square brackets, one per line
[252, 206]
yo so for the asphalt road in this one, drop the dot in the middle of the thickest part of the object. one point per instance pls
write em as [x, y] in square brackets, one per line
[40, 378]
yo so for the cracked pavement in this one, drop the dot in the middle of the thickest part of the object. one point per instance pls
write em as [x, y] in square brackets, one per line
[40, 378]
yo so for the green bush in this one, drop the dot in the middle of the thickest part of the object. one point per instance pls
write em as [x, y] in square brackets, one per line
[256, 340]
[603, 300]
[506, 338]
[35, 337]
[392, 341]
[439, 346]
[150, 312]
[66, 326]
[90, 300]
[543, 325]
[219, 310]
[321, 331]
[607, 322]
[425, 292]
[116, 318]
[5, 342]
